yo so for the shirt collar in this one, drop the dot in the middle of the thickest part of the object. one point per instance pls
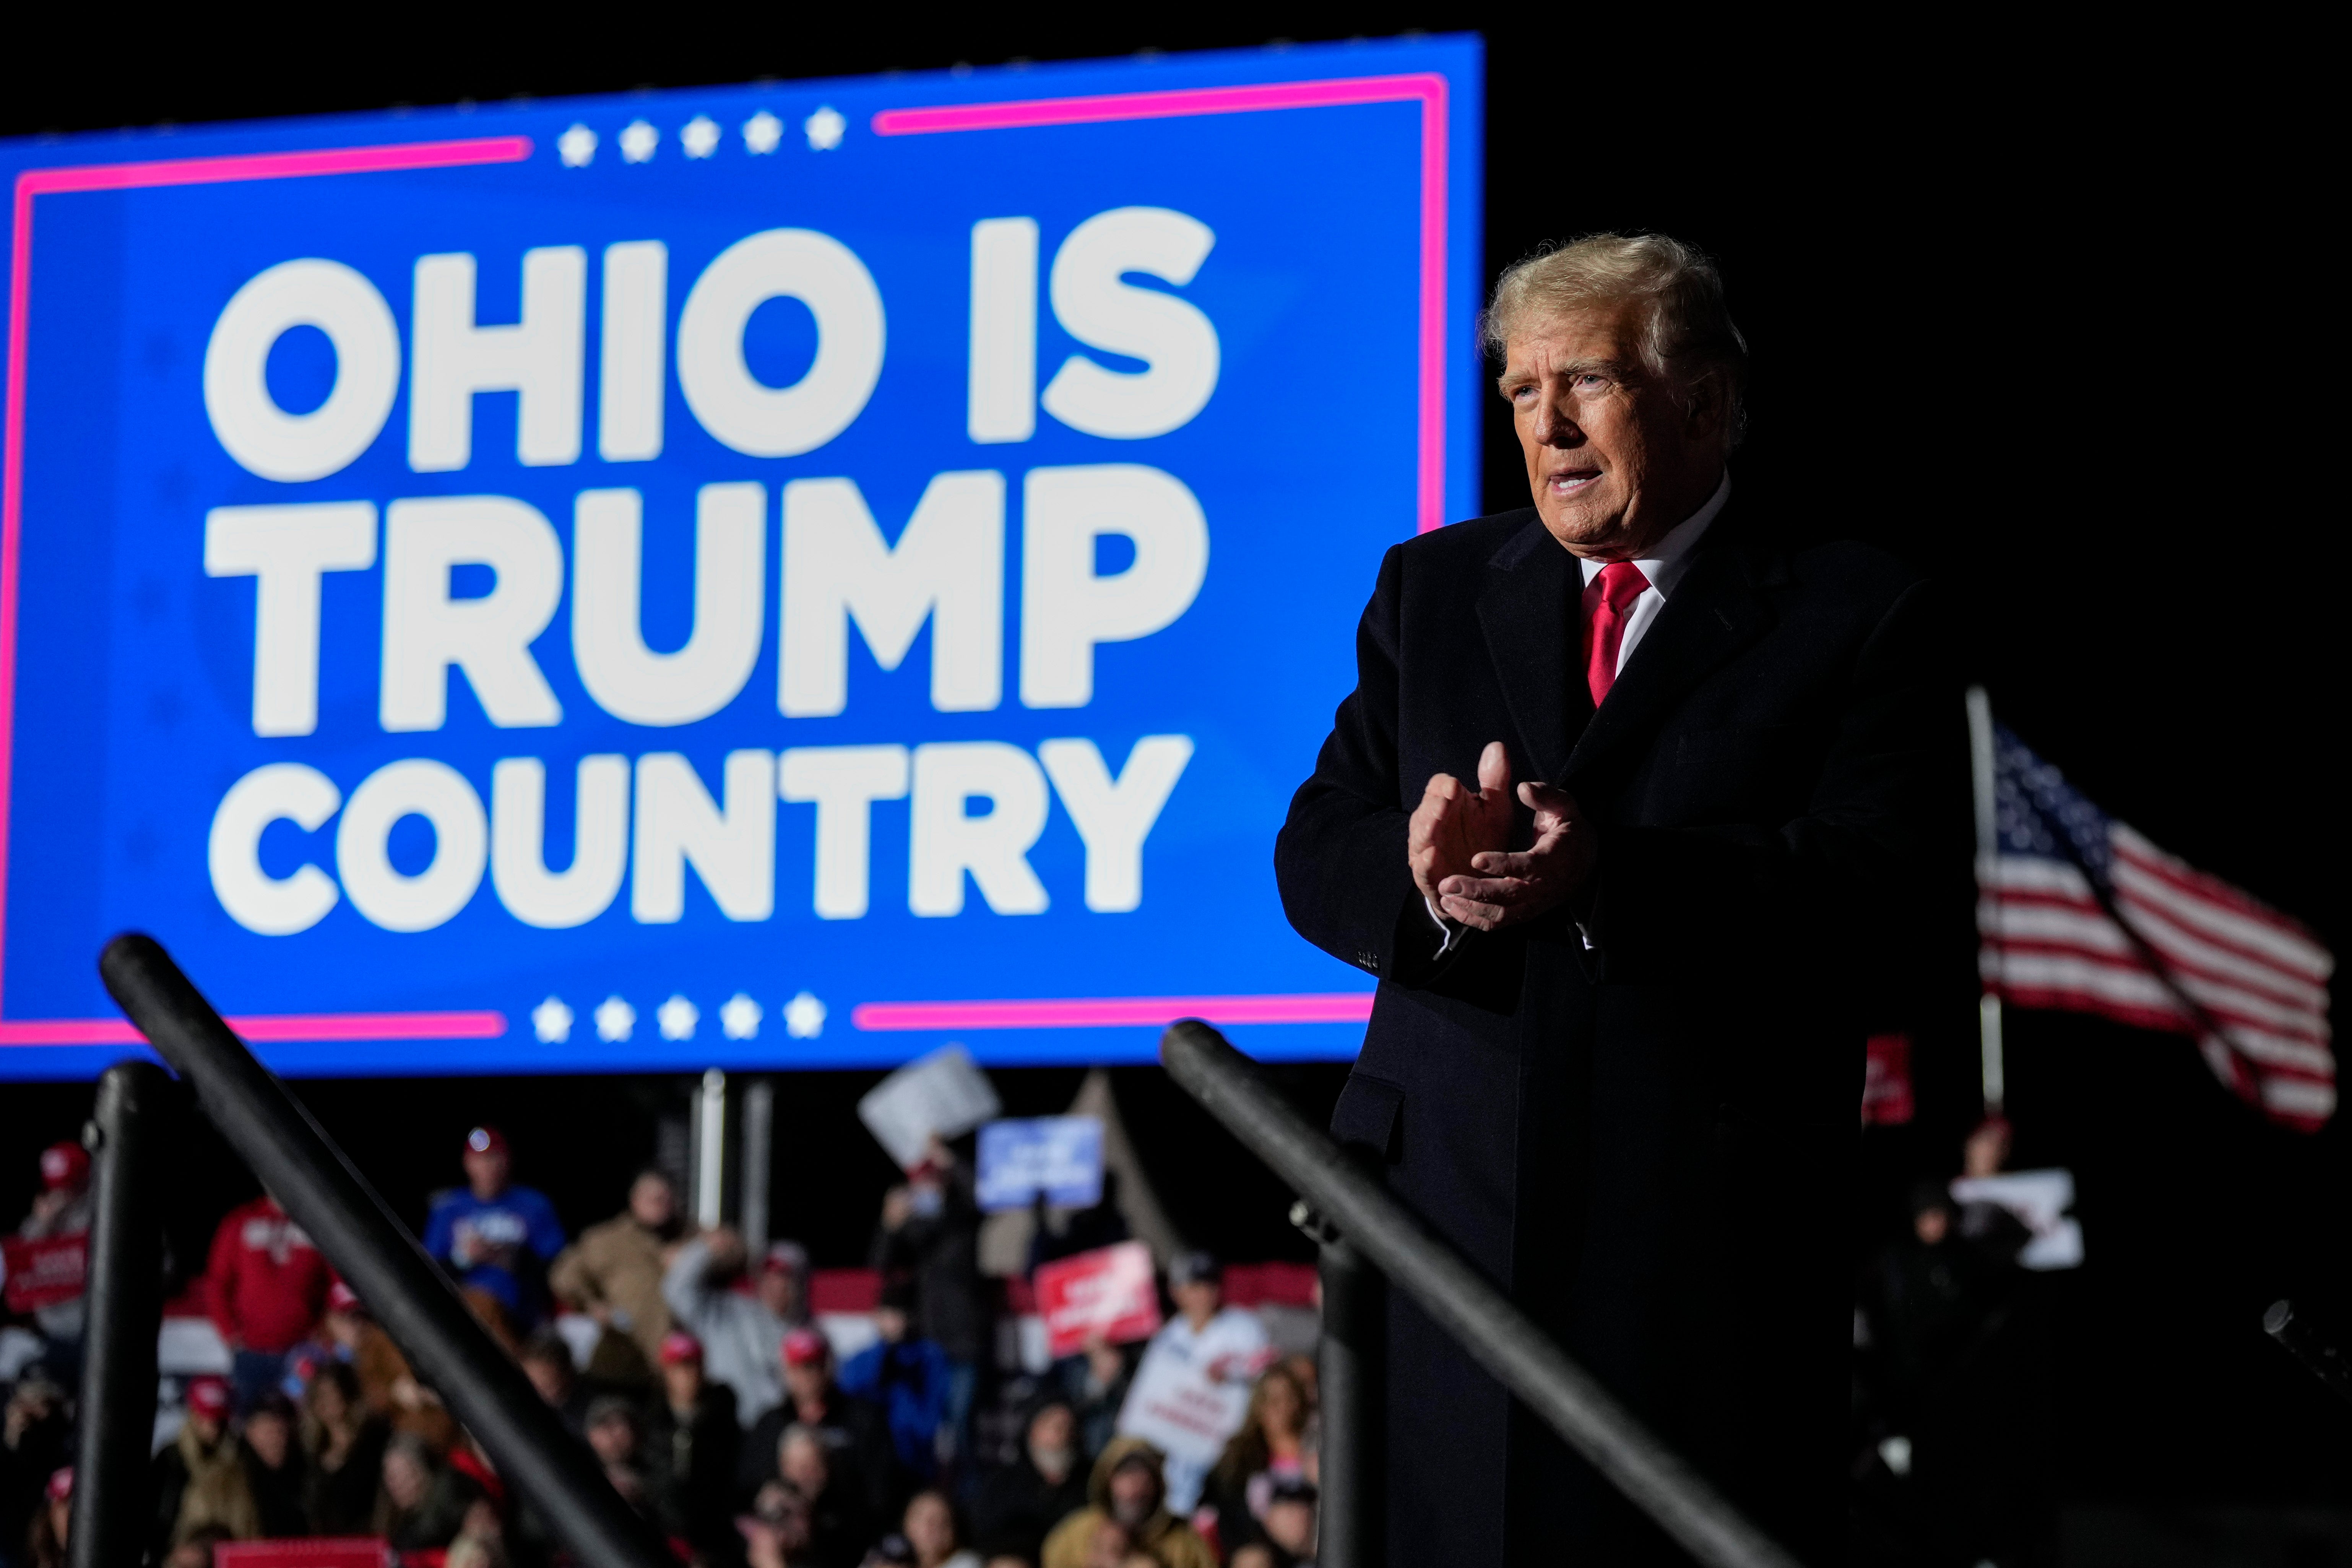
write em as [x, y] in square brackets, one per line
[1668, 558]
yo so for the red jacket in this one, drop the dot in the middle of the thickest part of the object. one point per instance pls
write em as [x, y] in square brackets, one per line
[269, 1283]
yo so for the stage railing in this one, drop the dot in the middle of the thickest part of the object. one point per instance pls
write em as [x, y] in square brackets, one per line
[1363, 1228]
[301, 1167]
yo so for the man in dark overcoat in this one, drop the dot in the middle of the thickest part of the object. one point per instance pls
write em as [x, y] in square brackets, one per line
[1628, 813]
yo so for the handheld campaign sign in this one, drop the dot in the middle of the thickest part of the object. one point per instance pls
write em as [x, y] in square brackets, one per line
[790, 576]
[1059, 1158]
[1109, 1292]
[944, 1095]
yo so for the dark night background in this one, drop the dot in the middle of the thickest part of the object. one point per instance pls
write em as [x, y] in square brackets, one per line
[2051, 319]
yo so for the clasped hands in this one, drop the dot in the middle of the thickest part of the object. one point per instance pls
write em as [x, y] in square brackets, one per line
[1458, 845]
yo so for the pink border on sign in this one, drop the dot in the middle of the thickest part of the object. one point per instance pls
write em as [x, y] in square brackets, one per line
[1425, 88]
[271, 1026]
[148, 176]
[1113, 1012]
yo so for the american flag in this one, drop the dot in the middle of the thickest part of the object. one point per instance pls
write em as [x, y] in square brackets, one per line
[2079, 912]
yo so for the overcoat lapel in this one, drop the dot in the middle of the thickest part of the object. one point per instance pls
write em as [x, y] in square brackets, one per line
[1718, 608]
[1525, 615]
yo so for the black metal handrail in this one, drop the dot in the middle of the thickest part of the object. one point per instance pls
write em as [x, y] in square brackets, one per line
[417, 1306]
[125, 1306]
[1480, 1318]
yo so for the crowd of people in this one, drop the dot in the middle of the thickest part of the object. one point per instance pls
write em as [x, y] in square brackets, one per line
[693, 1368]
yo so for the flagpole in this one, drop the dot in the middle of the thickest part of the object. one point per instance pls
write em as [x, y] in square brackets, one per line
[1980, 778]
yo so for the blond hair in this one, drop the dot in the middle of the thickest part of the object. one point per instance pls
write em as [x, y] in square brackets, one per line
[1689, 335]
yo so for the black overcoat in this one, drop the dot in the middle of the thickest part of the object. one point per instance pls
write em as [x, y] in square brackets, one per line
[1638, 1112]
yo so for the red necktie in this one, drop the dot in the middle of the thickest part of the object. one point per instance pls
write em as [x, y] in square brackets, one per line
[1608, 600]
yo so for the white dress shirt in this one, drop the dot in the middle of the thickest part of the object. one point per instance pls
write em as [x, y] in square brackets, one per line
[1664, 567]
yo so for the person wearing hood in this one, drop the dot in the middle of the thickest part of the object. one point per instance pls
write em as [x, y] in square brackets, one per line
[613, 1272]
[1043, 1485]
[738, 1333]
[1128, 1488]
[199, 1476]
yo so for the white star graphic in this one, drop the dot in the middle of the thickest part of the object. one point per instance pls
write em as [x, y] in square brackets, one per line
[805, 1017]
[638, 140]
[701, 136]
[738, 1017]
[677, 1017]
[552, 1022]
[576, 147]
[615, 1020]
[824, 128]
[763, 132]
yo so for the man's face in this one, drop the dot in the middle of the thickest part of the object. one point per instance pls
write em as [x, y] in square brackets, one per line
[651, 1204]
[267, 1432]
[486, 1171]
[1198, 1299]
[1050, 1430]
[1616, 457]
[890, 1323]
[1931, 1225]
[930, 1526]
[779, 1292]
[806, 1381]
[682, 1380]
[550, 1377]
[799, 1461]
[1134, 1493]
[614, 1438]
[404, 1481]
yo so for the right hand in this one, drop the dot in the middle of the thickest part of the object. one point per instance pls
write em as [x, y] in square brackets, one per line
[725, 1247]
[1454, 824]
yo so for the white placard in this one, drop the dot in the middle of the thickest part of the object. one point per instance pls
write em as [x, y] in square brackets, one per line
[944, 1093]
[1192, 1393]
[2040, 1200]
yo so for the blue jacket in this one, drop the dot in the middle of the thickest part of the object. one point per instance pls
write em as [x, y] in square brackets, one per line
[909, 1381]
[512, 1238]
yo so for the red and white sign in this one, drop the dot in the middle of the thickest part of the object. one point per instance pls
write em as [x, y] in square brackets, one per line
[1107, 1291]
[1886, 1080]
[46, 1271]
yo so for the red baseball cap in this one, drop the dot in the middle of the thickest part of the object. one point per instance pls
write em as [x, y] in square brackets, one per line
[208, 1395]
[486, 1140]
[785, 1257]
[64, 1165]
[341, 1298]
[804, 1347]
[61, 1485]
[678, 1347]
